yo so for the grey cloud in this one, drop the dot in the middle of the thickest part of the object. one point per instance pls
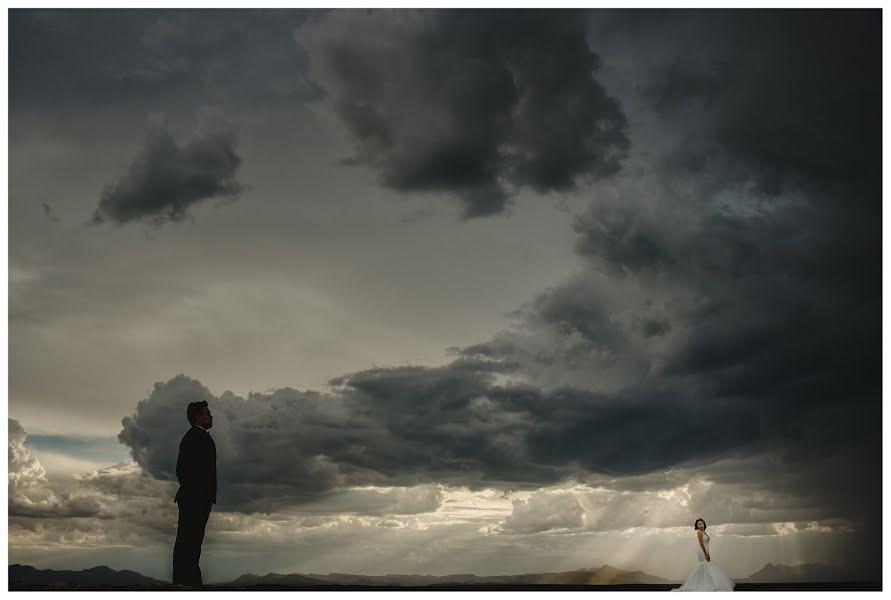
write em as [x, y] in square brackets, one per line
[674, 88]
[602, 509]
[274, 450]
[449, 424]
[707, 321]
[730, 340]
[582, 333]
[608, 509]
[471, 103]
[240, 56]
[544, 511]
[370, 501]
[149, 58]
[793, 108]
[166, 179]
[32, 494]
[415, 425]
[753, 508]
[623, 238]
[115, 505]
[772, 486]
[28, 490]
[733, 321]
[125, 481]
[749, 529]
[17, 437]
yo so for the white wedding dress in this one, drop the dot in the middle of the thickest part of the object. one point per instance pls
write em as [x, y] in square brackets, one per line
[706, 576]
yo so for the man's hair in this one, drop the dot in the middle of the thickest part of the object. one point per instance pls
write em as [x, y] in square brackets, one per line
[194, 409]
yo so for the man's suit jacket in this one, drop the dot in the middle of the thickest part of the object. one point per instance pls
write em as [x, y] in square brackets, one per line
[196, 467]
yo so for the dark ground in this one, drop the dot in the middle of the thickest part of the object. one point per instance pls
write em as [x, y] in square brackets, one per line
[856, 586]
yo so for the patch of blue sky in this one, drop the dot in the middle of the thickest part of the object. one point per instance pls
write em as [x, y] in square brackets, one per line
[102, 450]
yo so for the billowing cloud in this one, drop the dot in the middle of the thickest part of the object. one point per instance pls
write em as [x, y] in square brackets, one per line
[32, 494]
[452, 425]
[406, 426]
[544, 511]
[471, 103]
[285, 448]
[720, 336]
[122, 507]
[728, 316]
[28, 490]
[166, 178]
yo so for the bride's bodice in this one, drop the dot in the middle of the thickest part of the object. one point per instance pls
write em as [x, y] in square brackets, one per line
[700, 553]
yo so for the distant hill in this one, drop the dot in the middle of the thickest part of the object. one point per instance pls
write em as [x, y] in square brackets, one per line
[104, 576]
[605, 575]
[815, 572]
[293, 580]
[769, 577]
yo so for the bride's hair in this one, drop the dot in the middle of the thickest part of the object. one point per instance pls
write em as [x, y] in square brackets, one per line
[696, 522]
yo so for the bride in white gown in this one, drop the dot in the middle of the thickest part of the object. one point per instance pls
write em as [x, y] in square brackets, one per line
[706, 576]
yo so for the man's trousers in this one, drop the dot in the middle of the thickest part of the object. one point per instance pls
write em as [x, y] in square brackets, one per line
[193, 517]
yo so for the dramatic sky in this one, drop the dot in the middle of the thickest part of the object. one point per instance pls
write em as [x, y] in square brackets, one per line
[490, 292]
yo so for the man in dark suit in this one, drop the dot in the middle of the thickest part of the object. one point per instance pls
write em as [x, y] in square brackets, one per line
[196, 470]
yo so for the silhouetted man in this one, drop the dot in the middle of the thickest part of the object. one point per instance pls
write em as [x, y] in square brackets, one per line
[196, 470]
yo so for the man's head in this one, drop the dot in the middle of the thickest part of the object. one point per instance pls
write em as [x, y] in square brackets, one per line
[199, 414]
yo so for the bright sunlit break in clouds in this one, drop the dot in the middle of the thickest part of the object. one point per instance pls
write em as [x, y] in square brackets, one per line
[484, 292]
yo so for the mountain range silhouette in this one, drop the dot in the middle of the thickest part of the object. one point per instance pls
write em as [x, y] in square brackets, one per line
[25, 577]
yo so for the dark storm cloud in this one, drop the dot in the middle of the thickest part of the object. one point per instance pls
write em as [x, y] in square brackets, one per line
[286, 447]
[676, 85]
[411, 425]
[797, 106]
[744, 332]
[273, 449]
[112, 58]
[391, 501]
[476, 104]
[774, 276]
[622, 238]
[752, 282]
[166, 179]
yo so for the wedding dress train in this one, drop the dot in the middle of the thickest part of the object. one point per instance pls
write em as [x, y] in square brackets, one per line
[706, 576]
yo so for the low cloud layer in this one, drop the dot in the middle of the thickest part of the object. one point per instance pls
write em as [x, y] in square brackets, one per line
[544, 512]
[167, 178]
[109, 493]
[414, 425]
[127, 516]
[454, 425]
[471, 104]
